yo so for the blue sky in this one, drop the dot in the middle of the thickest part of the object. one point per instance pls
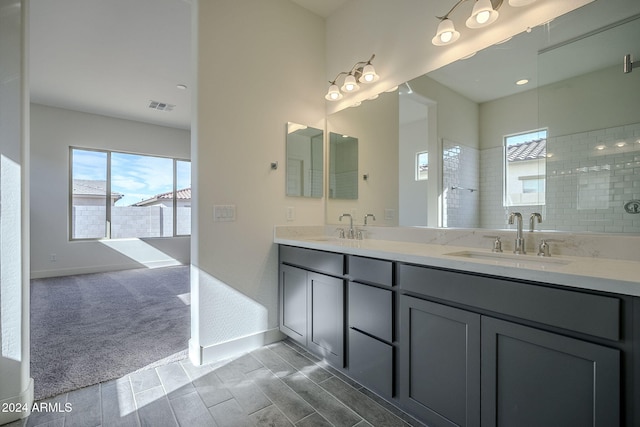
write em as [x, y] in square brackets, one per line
[136, 177]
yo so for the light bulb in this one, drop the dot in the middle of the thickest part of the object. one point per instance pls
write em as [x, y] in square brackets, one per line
[333, 94]
[368, 74]
[446, 37]
[482, 14]
[483, 17]
[350, 84]
[446, 33]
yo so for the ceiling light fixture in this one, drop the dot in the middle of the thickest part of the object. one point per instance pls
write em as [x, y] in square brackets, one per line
[522, 82]
[484, 13]
[361, 72]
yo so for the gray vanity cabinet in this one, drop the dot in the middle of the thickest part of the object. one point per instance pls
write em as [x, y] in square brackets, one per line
[440, 374]
[293, 303]
[467, 363]
[326, 317]
[311, 302]
[536, 378]
[371, 324]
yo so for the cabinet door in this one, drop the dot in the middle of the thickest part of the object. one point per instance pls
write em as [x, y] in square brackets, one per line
[535, 378]
[326, 317]
[440, 370]
[293, 303]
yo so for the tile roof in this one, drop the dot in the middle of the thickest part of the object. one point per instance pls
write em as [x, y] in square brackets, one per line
[531, 150]
[89, 187]
[92, 187]
[182, 194]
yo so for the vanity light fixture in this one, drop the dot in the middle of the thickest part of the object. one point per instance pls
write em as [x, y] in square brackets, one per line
[361, 72]
[484, 13]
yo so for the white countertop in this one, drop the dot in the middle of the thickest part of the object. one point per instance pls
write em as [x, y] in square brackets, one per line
[616, 276]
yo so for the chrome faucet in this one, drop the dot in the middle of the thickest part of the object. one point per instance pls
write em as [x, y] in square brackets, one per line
[519, 245]
[351, 233]
[532, 218]
[373, 217]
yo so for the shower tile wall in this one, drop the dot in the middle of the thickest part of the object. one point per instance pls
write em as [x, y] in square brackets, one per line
[590, 177]
[586, 188]
[460, 175]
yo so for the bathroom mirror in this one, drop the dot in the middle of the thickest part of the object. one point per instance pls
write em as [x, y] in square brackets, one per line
[305, 164]
[462, 113]
[343, 166]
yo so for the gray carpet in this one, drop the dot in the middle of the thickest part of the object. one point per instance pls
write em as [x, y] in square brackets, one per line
[91, 328]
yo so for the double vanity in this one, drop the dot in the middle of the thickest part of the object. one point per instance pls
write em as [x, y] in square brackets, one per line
[458, 335]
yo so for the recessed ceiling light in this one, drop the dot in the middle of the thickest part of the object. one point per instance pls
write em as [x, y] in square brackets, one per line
[621, 144]
[601, 147]
[522, 82]
[181, 87]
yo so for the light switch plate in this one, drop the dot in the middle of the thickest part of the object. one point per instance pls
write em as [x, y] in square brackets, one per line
[224, 213]
[291, 213]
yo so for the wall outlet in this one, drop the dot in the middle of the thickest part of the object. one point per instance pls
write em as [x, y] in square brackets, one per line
[389, 214]
[53, 258]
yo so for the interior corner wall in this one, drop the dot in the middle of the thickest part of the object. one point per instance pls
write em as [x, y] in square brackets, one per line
[260, 65]
[53, 131]
[16, 386]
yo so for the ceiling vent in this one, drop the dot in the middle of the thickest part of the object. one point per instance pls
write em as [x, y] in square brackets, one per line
[161, 106]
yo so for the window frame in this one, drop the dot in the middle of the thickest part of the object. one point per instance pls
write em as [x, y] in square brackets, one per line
[417, 166]
[107, 233]
[505, 169]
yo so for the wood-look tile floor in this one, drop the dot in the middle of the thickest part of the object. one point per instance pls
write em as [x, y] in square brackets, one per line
[278, 385]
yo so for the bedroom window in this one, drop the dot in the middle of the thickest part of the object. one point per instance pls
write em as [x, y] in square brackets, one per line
[122, 195]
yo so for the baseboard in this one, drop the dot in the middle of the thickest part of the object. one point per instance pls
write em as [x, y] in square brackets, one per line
[23, 403]
[43, 274]
[228, 349]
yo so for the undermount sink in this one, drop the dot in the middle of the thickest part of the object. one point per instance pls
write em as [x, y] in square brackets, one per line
[322, 238]
[512, 260]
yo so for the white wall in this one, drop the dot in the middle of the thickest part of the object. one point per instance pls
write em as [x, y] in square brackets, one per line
[53, 130]
[260, 65]
[16, 386]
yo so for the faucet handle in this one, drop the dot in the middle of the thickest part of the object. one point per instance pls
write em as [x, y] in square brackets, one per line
[497, 244]
[340, 233]
[543, 247]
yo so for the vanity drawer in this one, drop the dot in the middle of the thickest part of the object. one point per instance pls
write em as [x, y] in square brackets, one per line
[370, 270]
[590, 314]
[371, 310]
[371, 362]
[323, 262]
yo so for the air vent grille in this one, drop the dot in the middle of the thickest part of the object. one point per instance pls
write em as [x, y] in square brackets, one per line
[161, 106]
